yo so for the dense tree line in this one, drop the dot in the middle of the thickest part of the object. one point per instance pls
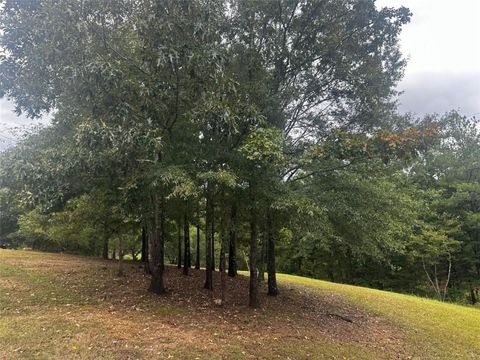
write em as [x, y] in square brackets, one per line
[234, 134]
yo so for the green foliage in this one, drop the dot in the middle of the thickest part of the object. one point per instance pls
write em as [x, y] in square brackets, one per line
[80, 227]
[264, 146]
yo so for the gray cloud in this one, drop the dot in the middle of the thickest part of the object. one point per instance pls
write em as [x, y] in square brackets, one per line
[439, 92]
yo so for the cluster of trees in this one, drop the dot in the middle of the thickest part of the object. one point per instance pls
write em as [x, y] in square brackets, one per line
[229, 134]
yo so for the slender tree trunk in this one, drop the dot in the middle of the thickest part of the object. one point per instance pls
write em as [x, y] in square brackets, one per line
[158, 242]
[144, 256]
[271, 266]
[473, 298]
[179, 254]
[150, 237]
[186, 245]
[105, 248]
[476, 251]
[261, 260]
[145, 249]
[114, 253]
[121, 270]
[223, 242]
[197, 254]
[245, 258]
[208, 239]
[445, 289]
[434, 281]
[232, 246]
[253, 291]
[213, 238]
[221, 266]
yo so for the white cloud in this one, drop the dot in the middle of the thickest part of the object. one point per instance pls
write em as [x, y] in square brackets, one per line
[441, 43]
[442, 36]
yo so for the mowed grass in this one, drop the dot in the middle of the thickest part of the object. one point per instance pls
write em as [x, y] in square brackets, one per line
[438, 330]
[55, 306]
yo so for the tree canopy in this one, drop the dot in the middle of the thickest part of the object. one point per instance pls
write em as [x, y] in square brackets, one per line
[266, 126]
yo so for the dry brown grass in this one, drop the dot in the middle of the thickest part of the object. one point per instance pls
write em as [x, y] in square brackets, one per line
[60, 306]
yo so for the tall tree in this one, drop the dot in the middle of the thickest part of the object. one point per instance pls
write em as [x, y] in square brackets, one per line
[232, 244]
[186, 245]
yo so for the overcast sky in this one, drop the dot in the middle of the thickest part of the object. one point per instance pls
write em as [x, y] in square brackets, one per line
[442, 43]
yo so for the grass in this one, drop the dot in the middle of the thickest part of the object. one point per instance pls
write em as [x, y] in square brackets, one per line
[55, 306]
[437, 329]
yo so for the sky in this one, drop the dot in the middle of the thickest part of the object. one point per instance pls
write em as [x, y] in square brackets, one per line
[442, 45]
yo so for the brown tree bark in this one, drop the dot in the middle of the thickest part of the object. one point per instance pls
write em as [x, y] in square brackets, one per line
[179, 254]
[145, 249]
[144, 255]
[186, 245]
[232, 246]
[223, 276]
[105, 247]
[197, 254]
[121, 268]
[253, 290]
[261, 258]
[157, 246]
[209, 239]
[213, 238]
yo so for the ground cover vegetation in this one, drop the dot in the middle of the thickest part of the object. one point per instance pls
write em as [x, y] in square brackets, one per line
[57, 306]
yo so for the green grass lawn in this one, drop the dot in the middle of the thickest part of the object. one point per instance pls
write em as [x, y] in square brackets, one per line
[437, 329]
[55, 306]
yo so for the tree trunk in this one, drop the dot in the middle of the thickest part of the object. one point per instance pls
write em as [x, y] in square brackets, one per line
[186, 245]
[473, 297]
[121, 270]
[197, 254]
[209, 239]
[144, 256]
[145, 249]
[271, 267]
[261, 260]
[221, 266]
[179, 254]
[223, 277]
[158, 242]
[213, 238]
[232, 246]
[105, 248]
[253, 291]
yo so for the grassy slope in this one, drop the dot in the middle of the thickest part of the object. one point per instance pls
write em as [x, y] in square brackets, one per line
[436, 329]
[41, 316]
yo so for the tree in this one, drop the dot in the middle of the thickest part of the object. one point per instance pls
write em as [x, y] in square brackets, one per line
[202, 103]
[186, 246]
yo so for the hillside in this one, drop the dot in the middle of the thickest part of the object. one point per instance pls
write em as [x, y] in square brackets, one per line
[60, 306]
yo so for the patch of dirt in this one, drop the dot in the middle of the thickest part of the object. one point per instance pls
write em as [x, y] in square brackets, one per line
[11, 284]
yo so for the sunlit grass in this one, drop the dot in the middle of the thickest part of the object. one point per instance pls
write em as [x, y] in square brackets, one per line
[436, 329]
